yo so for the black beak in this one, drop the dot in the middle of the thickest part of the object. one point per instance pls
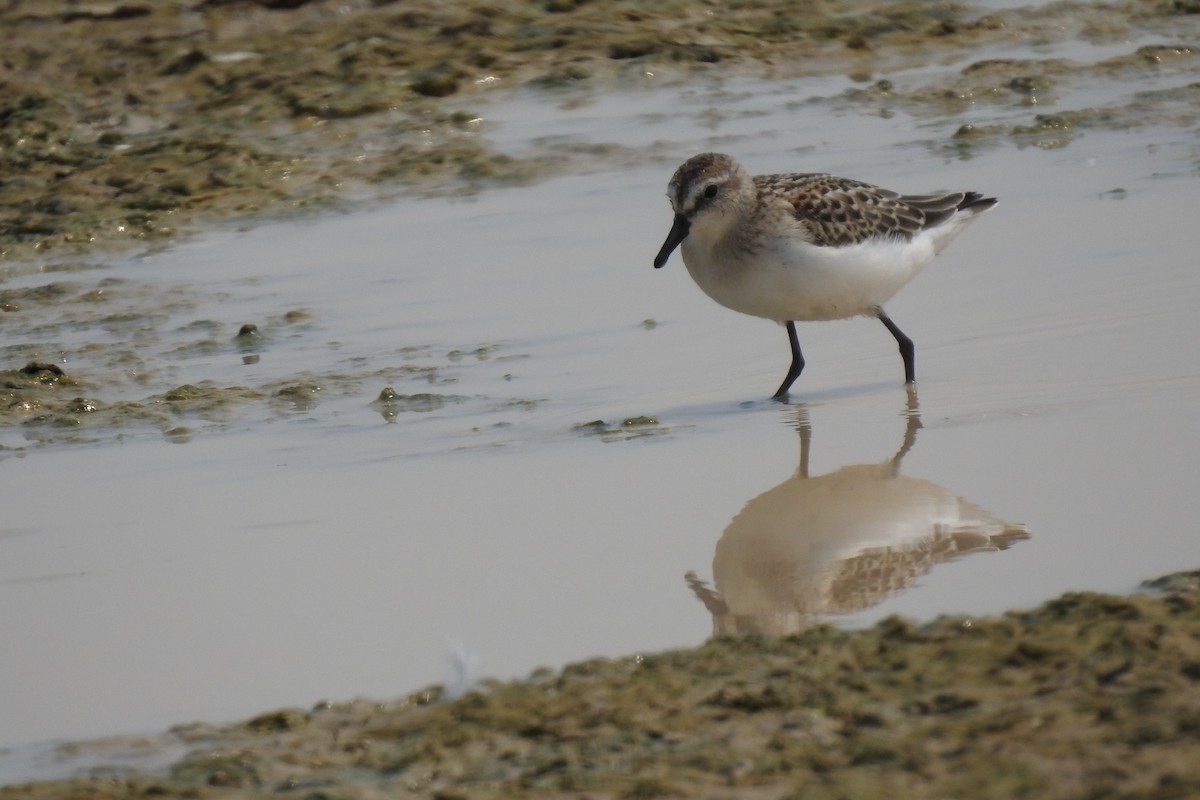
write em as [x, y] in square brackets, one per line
[679, 232]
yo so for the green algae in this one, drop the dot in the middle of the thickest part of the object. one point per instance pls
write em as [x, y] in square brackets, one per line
[639, 427]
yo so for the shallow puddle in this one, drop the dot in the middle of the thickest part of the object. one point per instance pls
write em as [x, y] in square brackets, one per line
[574, 443]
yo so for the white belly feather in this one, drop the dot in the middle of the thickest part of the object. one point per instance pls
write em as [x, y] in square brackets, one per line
[789, 279]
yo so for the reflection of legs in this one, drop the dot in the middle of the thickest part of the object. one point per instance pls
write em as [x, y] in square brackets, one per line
[805, 429]
[797, 362]
[907, 351]
[912, 413]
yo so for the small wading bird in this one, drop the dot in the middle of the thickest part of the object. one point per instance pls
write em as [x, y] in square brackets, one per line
[800, 247]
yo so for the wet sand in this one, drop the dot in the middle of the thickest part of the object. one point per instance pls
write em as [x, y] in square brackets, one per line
[147, 130]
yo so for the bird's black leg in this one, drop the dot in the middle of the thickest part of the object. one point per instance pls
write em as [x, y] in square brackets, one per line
[797, 363]
[907, 351]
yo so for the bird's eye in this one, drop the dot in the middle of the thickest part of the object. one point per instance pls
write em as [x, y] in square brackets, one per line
[710, 191]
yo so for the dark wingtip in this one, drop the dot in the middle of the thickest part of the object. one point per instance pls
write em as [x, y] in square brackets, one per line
[974, 201]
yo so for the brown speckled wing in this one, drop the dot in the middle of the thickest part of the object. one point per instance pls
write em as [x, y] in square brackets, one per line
[842, 211]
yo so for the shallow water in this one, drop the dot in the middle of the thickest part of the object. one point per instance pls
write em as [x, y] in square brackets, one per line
[343, 548]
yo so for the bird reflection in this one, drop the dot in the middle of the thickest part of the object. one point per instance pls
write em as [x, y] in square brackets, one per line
[839, 543]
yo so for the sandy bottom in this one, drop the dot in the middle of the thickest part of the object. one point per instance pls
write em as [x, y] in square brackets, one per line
[470, 437]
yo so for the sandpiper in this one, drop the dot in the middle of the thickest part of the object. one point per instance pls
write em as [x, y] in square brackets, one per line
[798, 247]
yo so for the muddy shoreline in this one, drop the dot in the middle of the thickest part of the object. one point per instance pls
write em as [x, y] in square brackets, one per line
[1087, 695]
[132, 122]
